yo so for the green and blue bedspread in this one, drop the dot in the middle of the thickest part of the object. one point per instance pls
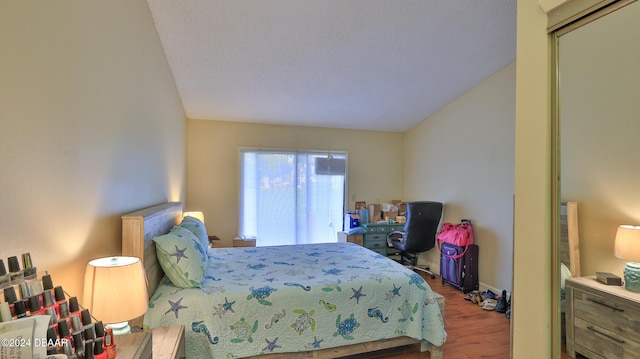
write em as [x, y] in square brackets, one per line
[265, 300]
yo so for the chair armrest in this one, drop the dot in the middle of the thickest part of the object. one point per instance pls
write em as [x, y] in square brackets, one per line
[397, 236]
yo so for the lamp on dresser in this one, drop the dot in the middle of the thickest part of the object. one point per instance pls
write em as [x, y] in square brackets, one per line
[115, 291]
[627, 246]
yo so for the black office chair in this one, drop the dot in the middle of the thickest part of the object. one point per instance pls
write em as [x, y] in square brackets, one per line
[419, 234]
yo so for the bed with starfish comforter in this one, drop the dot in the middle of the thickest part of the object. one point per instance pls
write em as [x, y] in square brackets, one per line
[279, 299]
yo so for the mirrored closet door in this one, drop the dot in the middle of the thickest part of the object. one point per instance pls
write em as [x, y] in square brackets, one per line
[597, 113]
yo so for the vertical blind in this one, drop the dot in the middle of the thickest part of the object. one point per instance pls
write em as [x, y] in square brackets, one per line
[291, 197]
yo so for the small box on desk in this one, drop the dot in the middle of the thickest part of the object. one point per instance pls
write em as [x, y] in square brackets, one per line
[608, 278]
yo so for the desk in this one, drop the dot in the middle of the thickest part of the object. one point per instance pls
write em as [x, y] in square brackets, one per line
[375, 237]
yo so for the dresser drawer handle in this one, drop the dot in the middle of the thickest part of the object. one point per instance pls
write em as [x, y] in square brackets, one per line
[605, 304]
[605, 334]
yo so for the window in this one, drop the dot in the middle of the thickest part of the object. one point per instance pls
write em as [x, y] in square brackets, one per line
[291, 197]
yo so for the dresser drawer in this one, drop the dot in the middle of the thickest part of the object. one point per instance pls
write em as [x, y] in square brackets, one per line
[603, 321]
[376, 244]
[605, 343]
[609, 315]
[375, 238]
[377, 229]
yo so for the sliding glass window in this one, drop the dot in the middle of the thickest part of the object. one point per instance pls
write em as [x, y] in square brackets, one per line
[291, 197]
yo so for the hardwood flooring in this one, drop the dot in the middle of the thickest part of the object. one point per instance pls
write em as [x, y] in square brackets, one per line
[471, 331]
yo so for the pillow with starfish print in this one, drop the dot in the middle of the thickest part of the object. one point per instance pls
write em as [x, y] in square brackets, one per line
[181, 257]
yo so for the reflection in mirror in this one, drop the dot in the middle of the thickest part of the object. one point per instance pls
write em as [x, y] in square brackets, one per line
[597, 113]
[570, 238]
[569, 250]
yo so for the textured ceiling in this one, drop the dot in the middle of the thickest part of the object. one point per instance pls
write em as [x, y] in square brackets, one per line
[382, 65]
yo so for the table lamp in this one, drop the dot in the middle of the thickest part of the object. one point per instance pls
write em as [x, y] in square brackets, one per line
[115, 291]
[627, 246]
[195, 214]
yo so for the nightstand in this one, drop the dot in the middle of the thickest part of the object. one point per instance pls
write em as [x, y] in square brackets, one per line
[244, 242]
[162, 342]
[134, 345]
[168, 342]
[353, 238]
[603, 321]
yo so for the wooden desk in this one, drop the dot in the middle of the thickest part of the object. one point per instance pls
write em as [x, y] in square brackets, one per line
[375, 237]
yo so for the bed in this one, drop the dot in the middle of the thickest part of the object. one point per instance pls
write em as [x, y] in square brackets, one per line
[304, 301]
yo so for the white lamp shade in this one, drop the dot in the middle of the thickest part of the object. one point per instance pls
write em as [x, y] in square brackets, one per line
[627, 243]
[115, 289]
[196, 214]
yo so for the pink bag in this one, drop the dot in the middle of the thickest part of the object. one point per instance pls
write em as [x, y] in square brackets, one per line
[460, 235]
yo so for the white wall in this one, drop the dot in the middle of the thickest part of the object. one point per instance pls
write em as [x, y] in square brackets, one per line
[463, 156]
[92, 127]
[375, 172]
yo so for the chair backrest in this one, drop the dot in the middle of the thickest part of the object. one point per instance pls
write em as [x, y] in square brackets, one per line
[423, 219]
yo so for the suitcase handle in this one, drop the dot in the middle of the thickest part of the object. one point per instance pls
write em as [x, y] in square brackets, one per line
[452, 256]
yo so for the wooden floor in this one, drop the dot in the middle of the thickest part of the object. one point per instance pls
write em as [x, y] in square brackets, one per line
[471, 331]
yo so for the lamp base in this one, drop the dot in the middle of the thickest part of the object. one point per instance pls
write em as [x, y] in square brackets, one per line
[119, 328]
[632, 277]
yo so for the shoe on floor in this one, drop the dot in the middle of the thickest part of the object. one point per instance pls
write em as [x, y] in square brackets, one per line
[501, 307]
[489, 304]
[489, 294]
[474, 296]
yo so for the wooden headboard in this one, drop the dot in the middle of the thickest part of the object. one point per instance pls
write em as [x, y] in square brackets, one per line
[138, 230]
[570, 237]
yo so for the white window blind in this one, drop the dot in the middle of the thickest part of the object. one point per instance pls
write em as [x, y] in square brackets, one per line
[291, 197]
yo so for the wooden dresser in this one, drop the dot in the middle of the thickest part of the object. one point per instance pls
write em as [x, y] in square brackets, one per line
[602, 321]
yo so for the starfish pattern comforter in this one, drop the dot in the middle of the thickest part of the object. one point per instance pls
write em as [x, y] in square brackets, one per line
[295, 298]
